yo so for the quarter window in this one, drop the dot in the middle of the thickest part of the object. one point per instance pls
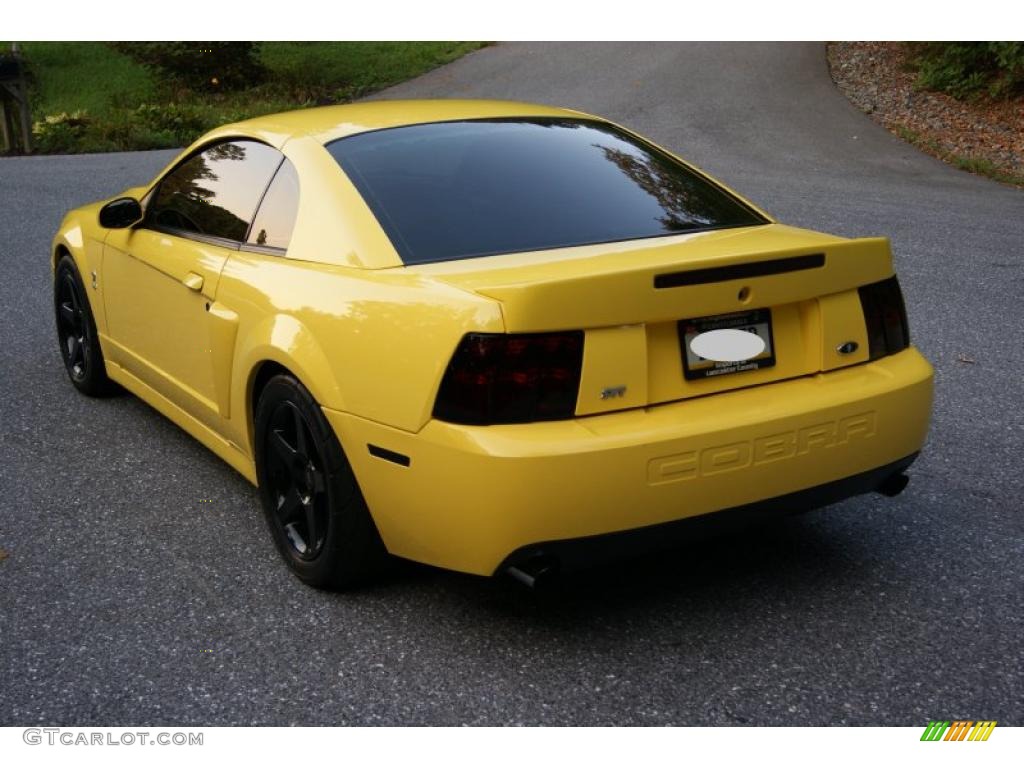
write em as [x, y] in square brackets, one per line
[272, 227]
[215, 193]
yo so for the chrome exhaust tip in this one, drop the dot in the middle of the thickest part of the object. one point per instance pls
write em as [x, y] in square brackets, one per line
[535, 571]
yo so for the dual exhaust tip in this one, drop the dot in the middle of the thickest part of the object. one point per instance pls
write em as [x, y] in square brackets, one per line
[541, 568]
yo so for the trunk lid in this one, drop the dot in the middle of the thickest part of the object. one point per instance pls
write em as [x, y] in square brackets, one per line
[630, 297]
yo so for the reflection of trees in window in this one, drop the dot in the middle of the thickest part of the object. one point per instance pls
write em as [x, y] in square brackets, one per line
[554, 122]
[184, 203]
[685, 200]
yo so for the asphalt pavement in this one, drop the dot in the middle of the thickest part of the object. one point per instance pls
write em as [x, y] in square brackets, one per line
[138, 585]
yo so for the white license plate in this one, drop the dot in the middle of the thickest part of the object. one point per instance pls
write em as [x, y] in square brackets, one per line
[756, 321]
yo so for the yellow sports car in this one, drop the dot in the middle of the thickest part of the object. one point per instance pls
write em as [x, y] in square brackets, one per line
[489, 336]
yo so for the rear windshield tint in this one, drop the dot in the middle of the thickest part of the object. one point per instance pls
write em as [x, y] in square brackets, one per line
[456, 190]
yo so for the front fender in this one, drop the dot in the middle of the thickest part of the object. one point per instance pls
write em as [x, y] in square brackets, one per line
[81, 236]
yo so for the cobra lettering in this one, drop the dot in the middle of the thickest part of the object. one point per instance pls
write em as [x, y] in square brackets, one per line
[718, 459]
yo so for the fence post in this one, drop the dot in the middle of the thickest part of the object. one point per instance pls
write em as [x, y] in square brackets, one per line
[8, 146]
[14, 96]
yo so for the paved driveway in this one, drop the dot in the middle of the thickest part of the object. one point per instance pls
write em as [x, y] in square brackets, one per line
[125, 599]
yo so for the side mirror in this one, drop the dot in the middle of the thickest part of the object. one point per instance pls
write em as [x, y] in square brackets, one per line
[120, 213]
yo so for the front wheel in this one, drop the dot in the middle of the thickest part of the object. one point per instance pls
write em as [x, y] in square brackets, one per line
[76, 332]
[316, 513]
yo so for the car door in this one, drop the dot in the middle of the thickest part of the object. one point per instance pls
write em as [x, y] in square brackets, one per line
[161, 276]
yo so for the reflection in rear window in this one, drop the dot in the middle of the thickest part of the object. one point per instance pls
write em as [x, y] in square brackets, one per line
[478, 187]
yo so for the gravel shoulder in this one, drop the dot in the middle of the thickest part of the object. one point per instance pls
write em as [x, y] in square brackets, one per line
[983, 136]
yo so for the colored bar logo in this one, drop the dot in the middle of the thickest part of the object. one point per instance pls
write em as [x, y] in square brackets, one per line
[958, 730]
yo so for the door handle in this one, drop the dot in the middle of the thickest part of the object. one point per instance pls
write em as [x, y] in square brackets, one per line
[192, 281]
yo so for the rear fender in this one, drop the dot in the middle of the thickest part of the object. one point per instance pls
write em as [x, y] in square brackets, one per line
[284, 340]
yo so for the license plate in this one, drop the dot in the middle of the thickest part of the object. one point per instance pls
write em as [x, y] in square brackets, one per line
[757, 321]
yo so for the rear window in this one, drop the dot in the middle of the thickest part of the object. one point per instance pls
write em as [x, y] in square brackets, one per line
[455, 190]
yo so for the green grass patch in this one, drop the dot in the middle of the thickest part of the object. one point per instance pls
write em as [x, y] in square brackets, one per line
[84, 76]
[978, 165]
[348, 70]
[908, 134]
[87, 97]
[984, 167]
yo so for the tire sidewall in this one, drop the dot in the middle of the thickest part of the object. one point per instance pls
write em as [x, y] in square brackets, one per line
[340, 560]
[95, 381]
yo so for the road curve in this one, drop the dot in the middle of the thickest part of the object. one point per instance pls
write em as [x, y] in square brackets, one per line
[126, 599]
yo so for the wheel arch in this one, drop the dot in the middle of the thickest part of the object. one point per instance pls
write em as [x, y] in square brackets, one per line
[284, 345]
[63, 246]
[86, 255]
[78, 235]
[60, 250]
[259, 376]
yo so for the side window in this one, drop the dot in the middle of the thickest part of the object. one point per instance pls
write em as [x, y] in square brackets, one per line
[215, 193]
[272, 227]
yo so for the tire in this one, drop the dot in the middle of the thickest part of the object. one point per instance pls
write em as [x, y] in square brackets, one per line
[311, 500]
[76, 333]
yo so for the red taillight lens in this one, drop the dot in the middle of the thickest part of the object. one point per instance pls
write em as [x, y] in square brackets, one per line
[499, 378]
[885, 317]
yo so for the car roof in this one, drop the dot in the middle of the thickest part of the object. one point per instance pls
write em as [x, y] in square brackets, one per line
[326, 124]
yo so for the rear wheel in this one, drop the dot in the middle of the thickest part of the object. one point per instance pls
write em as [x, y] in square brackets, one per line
[315, 511]
[76, 332]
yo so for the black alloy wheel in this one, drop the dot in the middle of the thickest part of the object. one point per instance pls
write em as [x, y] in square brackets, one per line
[76, 332]
[311, 500]
[296, 481]
[72, 328]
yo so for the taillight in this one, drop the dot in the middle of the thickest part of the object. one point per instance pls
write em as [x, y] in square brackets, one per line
[885, 317]
[499, 378]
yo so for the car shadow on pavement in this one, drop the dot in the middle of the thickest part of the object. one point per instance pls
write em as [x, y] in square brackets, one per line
[777, 560]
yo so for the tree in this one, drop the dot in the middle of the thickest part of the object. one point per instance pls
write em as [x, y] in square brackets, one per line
[204, 66]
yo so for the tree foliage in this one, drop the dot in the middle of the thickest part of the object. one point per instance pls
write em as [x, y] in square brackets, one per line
[200, 66]
[965, 69]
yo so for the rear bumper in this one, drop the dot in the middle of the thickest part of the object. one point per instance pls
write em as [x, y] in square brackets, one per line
[471, 497]
[577, 554]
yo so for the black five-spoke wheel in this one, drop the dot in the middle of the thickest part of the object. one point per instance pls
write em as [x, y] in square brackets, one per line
[297, 482]
[76, 332]
[311, 500]
[72, 327]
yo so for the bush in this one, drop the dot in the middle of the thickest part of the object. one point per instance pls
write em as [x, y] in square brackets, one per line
[61, 132]
[182, 121]
[103, 97]
[966, 69]
[205, 66]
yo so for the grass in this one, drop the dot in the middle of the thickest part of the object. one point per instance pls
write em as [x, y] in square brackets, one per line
[84, 76]
[978, 165]
[985, 167]
[87, 97]
[356, 68]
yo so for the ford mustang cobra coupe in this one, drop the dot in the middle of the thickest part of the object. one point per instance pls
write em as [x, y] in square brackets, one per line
[489, 336]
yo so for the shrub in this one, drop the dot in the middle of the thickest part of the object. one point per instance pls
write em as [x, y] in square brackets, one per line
[200, 66]
[182, 121]
[61, 132]
[966, 69]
